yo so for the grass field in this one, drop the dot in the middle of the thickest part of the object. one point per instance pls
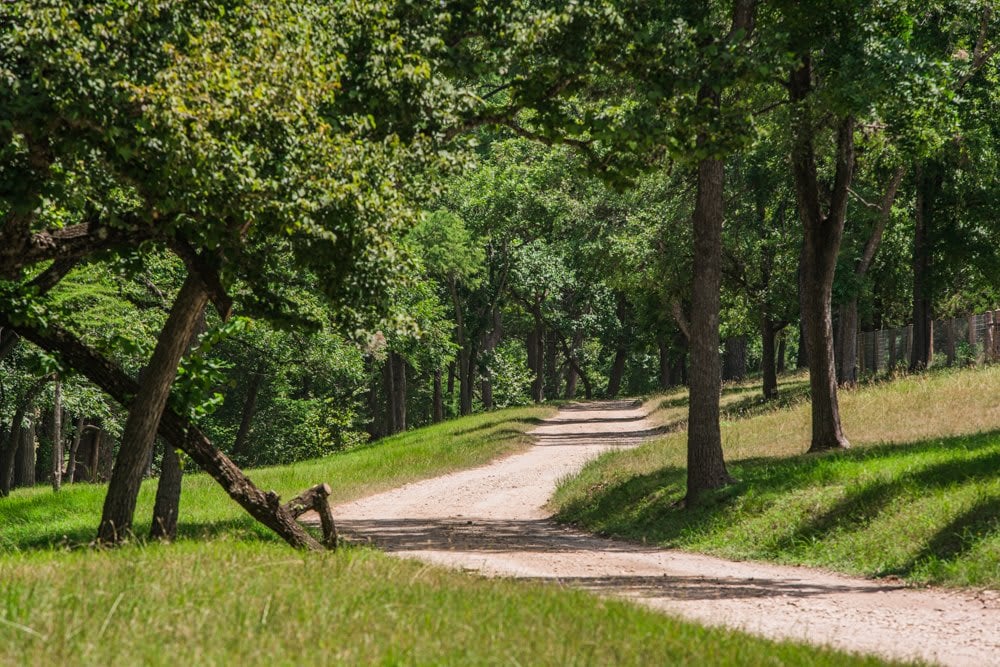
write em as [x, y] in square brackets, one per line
[32, 518]
[918, 496]
[227, 593]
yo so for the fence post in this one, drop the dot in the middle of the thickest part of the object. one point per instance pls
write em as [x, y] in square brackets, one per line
[892, 350]
[949, 341]
[996, 335]
[988, 349]
[861, 354]
[909, 343]
[876, 360]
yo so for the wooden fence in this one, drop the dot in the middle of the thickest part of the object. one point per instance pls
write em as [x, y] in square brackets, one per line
[956, 341]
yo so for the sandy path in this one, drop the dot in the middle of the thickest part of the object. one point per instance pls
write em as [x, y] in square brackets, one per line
[492, 520]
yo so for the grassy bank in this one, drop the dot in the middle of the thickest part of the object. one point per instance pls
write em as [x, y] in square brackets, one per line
[32, 518]
[918, 496]
[226, 593]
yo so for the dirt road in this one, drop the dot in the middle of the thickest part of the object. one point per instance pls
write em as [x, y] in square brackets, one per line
[492, 520]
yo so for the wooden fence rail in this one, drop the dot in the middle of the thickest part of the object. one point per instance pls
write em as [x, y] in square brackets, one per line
[955, 341]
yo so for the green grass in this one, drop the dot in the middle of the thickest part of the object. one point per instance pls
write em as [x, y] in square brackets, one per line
[33, 518]
[227, 593]
[236, 602]
[918, 497]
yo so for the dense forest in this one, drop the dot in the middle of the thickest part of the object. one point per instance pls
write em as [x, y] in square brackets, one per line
[240, 234]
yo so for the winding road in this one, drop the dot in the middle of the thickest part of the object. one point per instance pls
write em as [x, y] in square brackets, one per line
[492, 520]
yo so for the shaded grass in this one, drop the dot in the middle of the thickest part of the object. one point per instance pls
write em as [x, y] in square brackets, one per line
[37, 518]
[925, 509]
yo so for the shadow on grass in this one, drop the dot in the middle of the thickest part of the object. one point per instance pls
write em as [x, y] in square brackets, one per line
[790, 392]
[644, 507]
[486, 425]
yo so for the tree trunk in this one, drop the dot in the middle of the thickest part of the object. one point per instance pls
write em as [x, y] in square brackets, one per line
[465, 373]
[168, 495]
[922, 351]
[846, 355]
[782, 344]
[706, 468]
[24, 460]
[768, 333]
[177, 431]
[57, 446]
[378, 427]
[486, 390]
[398, 391]
[145, 410]
[11, 445]
[166, 507]
[388, 387]
[734, 367]
[664, 355]
[617, 372]
[553, 379]
[246, 419]
[488, 346]
[847, 322]
[73, 449]
[823, 234]
[536, 357]
[464, 355]
[437, 411]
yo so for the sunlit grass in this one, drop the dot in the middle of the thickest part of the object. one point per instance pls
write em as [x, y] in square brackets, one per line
[227, 593]
[917, 497]
[35, 517]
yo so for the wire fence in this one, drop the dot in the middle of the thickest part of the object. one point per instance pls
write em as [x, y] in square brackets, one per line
[959, 341]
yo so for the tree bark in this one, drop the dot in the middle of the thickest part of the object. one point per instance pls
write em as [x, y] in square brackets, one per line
[823, 234]
[768, 333]
[664, 357]
[782, 343]
[57, 445]
[846, 341]
[437, 410]
[246, 418]
[73, 449]
[398, 391]
[264, 507]
[553, 378]
[847, 321]
[139, 434]
[487, 347]
[166, 506]
[706, 468]
[12, 443]
[388, 387]
[734, 367]
[922, 351]
[464, 354]
[24, 460]
[617, 372]
[536, 356]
